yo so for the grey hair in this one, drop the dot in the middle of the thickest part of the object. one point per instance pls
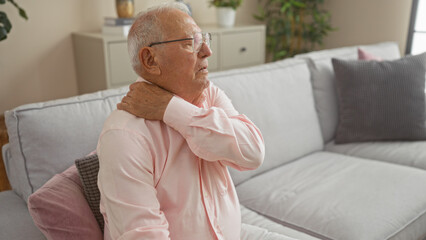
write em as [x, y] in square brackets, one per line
[147, 29]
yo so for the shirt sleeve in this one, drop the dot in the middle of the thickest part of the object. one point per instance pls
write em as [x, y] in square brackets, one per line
[217, 133]
[126, 183]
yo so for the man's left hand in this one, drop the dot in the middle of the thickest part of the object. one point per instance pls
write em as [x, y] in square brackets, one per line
[146, 100]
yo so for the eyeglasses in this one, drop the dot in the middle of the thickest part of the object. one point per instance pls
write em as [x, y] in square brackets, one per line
[197, 41]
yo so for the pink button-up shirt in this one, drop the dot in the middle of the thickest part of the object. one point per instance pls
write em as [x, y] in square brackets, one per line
[169, 179]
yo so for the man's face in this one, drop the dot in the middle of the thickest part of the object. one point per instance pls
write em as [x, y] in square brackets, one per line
[183, 71]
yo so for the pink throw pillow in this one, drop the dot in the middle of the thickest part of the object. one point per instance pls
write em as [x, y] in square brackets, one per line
[60, 210]
[363, 55]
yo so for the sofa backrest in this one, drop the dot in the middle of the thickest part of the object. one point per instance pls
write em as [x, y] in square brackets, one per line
[323, 79]
[46, 138]
[278, 98]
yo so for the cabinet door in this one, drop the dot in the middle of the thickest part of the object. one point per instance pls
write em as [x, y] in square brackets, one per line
[241, 49]
[120, 70]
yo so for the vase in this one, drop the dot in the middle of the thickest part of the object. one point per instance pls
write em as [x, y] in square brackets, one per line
[225, 16]
[125, 8]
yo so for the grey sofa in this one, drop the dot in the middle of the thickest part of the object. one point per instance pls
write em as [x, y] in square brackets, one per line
[308, 187]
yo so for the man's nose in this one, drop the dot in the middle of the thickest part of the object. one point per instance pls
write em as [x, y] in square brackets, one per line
[205, 51]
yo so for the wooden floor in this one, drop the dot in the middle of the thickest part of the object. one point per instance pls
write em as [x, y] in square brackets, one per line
[4, 182]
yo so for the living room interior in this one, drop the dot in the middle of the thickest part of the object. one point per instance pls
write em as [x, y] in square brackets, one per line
[53, 55]
[39, 52]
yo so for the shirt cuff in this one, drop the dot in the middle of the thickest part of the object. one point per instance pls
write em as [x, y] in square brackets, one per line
[178, 114]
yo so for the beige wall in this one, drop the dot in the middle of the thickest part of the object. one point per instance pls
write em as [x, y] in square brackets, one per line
[368, 21]
[37, 62]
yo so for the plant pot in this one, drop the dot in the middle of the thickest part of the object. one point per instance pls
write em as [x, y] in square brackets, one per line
[225, 16]
[125, 8]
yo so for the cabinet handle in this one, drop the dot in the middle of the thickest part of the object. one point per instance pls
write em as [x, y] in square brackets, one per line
[243, 49]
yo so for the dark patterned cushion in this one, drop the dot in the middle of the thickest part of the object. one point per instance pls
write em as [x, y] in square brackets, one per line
[88, 168]
[381, 101]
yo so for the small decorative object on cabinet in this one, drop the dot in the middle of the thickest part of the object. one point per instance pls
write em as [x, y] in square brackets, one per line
[125, 8]
[117, 26]
[226, 11]
[225, 16]
[102, 60]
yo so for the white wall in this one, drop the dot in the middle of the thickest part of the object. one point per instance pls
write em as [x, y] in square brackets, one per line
[37, 61]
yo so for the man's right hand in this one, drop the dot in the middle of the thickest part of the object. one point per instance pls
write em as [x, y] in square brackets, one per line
[146, 100]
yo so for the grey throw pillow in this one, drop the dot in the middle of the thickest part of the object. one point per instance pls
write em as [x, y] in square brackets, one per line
[381, 101]
[88, 168]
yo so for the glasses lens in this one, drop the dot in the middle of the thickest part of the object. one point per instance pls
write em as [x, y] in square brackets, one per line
[207, 37]
[199, 39]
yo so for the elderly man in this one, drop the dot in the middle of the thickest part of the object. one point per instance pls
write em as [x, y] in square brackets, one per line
[163, 160]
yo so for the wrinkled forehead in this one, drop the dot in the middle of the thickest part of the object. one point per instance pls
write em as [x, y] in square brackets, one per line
[178, 24]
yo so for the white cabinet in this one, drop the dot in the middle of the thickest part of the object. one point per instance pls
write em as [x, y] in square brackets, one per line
[235, 47]
[102, 61]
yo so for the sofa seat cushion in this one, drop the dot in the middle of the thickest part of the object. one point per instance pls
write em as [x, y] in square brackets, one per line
[278, 98]
[411, 154]
[251, 232]
[252, 218]
[15, 220]
[332, 196]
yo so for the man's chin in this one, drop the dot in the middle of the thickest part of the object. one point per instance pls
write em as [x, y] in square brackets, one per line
[207, 83]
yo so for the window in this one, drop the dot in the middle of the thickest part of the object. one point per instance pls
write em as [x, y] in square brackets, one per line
[416, 42]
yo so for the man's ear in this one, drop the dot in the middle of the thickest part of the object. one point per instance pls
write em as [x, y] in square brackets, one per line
[148, 60]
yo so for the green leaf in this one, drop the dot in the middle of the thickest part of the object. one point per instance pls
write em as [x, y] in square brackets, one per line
[3, 33]
[285, 7]
[5, 23]
[221, 3]
[259, 18]
[2, 1]
[23, 13]
[299, 4]
[280, 55]
[288, 21]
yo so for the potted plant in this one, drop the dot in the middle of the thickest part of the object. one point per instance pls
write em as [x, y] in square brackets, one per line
[226, 10]
[293, 26]
[5, 24]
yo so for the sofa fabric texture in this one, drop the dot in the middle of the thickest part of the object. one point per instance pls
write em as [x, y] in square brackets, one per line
[381, 100]
[402, 153]
[287, 107]
[333, 196]
[60, 210]
[15, 220]
[46, 138]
